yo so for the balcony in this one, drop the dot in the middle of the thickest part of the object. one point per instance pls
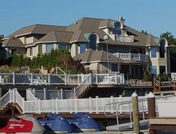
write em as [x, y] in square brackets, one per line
[132, 57]
[125, 38]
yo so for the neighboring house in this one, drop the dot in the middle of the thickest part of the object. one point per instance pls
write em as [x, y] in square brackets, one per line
[138, 51]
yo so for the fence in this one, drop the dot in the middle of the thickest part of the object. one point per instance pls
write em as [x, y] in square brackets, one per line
[91, 105]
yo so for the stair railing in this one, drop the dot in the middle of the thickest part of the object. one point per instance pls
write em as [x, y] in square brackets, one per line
[30, 95]
[18, 99]
[5, 99]
[83, 85]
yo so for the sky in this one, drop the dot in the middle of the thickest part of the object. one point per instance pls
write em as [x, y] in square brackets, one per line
[153, 16]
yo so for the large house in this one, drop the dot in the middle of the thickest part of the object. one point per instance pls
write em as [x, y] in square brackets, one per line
[104, 45]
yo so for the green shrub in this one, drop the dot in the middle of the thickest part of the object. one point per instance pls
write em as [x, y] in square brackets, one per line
[147, 76]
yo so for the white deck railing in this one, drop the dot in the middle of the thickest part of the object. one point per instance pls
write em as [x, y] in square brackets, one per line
[90, 105]
[125, 38]
[132, 57]
[59, 79]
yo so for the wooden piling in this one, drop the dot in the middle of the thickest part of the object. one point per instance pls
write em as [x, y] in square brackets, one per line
[151, 109]
[136, 128]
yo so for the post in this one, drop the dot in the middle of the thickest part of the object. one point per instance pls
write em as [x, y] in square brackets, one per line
[44, 93]
[31, 79]
[78, 78]
[151, 109]
[96, 78]
[13, 78]
[90, 78]
[112, 108]
[0, 92]
[74, 92]
[65, 78]
[116, 78]
[96, 103]
[90, 105]
[76, 105]
[135, 113]
[49, 79]
[61, 90]
[56, 105]
[38, 103]
[120, 106]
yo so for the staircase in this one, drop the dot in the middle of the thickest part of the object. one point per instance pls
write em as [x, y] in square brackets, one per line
[83, 87]
[158, 85]
[12, 100]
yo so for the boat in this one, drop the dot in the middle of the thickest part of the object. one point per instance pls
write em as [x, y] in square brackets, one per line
[23, 124]
[84, 123]
[55, 123]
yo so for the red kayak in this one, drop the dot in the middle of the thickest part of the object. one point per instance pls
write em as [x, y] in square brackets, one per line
[23, 124]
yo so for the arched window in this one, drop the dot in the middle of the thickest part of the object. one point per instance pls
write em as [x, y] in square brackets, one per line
[117, 28]
[93, 41]
[162, 48]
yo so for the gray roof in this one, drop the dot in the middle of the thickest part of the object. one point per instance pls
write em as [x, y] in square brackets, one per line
[76, 31]
[13, 42]
[57, 36]
[97, 56]
[37, 29]
[84, 26]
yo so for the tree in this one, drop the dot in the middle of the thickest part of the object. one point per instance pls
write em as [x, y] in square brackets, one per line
[61, 58]
[169, 37]
[145, 32]
[1, 37]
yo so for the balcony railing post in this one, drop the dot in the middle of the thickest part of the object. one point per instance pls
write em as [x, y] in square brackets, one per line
[74, 90]
[90, 78]
[13, 78]
[31, 78]
[116, 78]
[96, 78]
[78, 78]
[49, 79]
[65, 78]
[61, 93]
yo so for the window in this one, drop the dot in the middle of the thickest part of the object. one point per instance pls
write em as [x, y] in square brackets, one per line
[49, 47]
[92, 41]
[83, 48]
[122, 50]
[114, 67]
[153, 52]
[154, 70]
[40, 49]
[62, 46]
[162, 69]
[112, 49]
[162, 48]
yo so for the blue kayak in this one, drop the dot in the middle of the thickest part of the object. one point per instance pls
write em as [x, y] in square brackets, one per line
[55, 123]
[83, 122]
